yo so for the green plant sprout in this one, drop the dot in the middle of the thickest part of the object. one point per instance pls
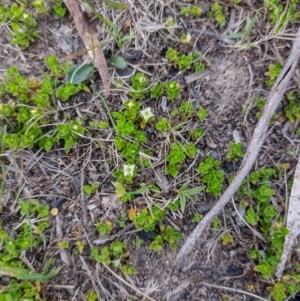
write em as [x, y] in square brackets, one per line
[227, 238]
[251, 217]
[172, 90]
[202, 113]
[138, 242]
[216, 223]
[147, 220]
[157, 90]
[163, 124]
[92, 296]
[194, 11]
[185, 193]
[22, 24]
[260, 104]
[140, 86]
[170, 236]
[185, 61]
[126, 196]
[235, 151]
[217, 12]
[104, 228]
[41, 7]
[91, 189]
[197, 217]
[212, 176]
[272, 74]
[292, 110]
[80, 245]
[64, 245]
[116, 254]
[175, 158]
[122, 221]
[57, 70]
[59, 8]
[186, 110]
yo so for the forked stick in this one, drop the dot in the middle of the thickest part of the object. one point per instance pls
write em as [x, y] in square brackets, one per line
[255, 145]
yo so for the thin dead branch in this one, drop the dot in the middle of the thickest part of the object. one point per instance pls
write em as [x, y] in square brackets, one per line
[293, 222]
[256, 143]
[89, 37]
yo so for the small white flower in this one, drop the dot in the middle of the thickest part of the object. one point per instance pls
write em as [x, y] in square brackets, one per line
[147, 114]
[128, 170]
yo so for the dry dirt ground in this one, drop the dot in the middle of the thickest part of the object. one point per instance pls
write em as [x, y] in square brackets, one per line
[235, 78]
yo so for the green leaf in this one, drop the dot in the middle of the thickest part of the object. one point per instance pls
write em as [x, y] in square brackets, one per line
[120, 190]
[278, 292]
[182, 199]
[249, 25]
[235, 35]
[118, 62]
[79, 73]
[264, 268]
[128, 270]
[140, 190]
[128, 37]
[193, 191]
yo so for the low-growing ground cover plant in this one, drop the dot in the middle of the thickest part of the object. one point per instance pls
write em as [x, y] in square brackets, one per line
[28, 106]
[141, 139]
[24, 283]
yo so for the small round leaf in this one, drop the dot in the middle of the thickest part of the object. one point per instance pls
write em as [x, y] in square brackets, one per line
[79, 73]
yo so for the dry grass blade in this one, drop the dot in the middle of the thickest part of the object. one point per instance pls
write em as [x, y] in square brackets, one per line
[255, 145]
[234, 290]
[90, 40]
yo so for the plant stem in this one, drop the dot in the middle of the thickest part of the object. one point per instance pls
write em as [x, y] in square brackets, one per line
[107, 109]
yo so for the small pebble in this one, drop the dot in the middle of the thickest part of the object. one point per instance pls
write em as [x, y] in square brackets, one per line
[235, 271]
[228, 166]
[214, 154]
[146, 235]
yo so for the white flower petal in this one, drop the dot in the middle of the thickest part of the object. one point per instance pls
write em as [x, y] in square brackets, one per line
[128, 170]
[147, 114]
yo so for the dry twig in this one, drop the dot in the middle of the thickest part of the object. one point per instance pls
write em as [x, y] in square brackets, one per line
[256, 143]
[293, 221]
[90, 40]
